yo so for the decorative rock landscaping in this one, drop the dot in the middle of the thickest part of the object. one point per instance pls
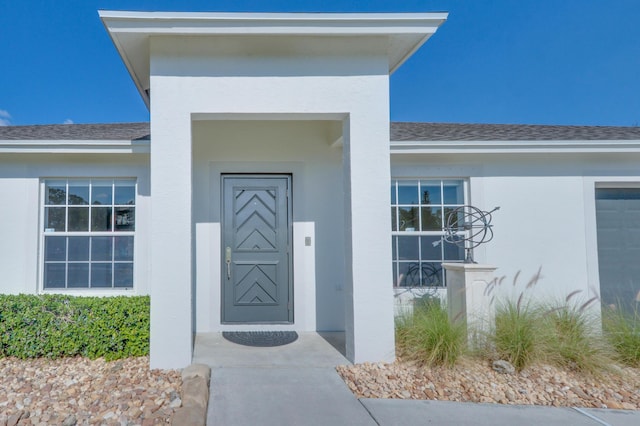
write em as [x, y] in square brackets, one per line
[476, 381]
[79, 391]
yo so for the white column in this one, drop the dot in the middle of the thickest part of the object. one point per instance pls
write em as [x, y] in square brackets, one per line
[470, 295]
[171, 238]
[369, 325]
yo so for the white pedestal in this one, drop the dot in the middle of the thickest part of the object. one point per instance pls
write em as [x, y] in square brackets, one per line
[469, 297]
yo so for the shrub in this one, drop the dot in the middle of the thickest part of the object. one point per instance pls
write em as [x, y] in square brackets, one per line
[517, 337]
[56, 326]
[622, 330]
[573, 341]
[428, 337]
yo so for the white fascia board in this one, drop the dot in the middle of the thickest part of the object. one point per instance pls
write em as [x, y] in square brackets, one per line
[515, 147]
[74, 146]
[191, 23]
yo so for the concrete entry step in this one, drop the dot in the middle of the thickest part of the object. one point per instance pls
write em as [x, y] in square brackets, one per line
[309, 350]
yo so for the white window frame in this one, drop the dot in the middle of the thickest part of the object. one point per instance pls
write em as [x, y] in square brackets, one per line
[419, 232]
[92, 291]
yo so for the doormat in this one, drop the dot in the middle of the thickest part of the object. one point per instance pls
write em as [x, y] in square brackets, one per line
[261, 339]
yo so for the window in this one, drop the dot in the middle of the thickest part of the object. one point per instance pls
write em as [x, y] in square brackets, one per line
[88, 233]
[419, 210]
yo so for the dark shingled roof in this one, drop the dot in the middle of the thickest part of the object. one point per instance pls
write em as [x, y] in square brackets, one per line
[399, 132]
[116, 131]
[507, 132]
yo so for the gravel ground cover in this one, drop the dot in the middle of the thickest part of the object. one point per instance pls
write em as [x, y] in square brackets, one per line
[81, 391]
[475, 381]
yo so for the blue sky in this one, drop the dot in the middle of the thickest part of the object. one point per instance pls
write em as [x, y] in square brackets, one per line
[493, 61]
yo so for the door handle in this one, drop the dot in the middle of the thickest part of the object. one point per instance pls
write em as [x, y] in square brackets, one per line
[227, 259]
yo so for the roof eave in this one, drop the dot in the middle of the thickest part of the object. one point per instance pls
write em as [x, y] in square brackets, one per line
[127, 63]
[515, 147]
[141, 146]
[139, 26]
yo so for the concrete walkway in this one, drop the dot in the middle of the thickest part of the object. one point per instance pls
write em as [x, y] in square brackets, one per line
[297, 384]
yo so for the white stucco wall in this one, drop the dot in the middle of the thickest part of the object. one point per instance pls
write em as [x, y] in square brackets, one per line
[21, 210]
[194, 80]
[546, 219]
[303, 149]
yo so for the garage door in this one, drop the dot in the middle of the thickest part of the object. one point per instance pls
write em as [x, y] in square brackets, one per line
[618, 223]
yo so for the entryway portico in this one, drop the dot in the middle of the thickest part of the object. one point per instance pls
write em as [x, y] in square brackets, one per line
[298, 95]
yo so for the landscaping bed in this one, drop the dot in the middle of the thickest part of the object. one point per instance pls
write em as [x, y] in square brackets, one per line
[81, 391]
[473, 380]
[558, 354]
[68, 360]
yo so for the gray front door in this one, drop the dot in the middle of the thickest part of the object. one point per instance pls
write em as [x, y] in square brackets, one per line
[256, 249]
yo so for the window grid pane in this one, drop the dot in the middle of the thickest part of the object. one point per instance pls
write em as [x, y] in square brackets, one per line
[81, 221]
[78, 193]
[423, 218]
[56, 193]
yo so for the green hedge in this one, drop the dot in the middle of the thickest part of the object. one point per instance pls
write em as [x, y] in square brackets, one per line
[55, 326]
